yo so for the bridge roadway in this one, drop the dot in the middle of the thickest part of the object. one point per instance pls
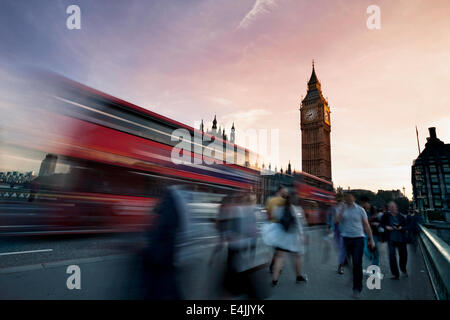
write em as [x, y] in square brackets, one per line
[118, 276]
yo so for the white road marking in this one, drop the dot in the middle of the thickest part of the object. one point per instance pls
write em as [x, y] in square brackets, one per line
[20, 252]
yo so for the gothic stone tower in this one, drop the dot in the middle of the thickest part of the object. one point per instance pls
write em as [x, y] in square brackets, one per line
[316, 128]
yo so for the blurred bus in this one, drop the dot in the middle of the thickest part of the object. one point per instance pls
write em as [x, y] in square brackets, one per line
[96, 163]
[315, 196]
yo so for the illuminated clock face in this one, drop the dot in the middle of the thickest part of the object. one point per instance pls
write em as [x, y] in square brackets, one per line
[310, 115]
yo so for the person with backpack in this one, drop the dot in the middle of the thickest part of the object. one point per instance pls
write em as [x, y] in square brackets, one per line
[286, 236]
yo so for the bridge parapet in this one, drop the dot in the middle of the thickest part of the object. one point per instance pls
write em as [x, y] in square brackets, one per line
[437, 259]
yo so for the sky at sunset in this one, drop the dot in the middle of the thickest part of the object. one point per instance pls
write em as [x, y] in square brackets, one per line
[248, 62]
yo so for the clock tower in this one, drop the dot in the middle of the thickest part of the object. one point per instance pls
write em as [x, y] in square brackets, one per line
[316, 128]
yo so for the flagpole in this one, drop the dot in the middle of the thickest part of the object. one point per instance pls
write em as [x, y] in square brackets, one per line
[420, 197]
[417, 135]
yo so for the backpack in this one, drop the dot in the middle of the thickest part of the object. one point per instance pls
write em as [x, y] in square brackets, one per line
[287, 219]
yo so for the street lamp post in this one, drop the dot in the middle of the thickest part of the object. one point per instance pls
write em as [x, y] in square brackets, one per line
[422, 213]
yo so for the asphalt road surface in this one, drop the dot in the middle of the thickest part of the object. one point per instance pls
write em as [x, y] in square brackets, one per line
[111, 268]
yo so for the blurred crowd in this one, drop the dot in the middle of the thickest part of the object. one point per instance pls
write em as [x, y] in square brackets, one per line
[357, 230]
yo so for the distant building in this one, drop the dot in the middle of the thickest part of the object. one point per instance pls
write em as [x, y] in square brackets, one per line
[48, 165]
[430, 175]
[14, 178]
[219, 132]
[240, 155]
[391, 194]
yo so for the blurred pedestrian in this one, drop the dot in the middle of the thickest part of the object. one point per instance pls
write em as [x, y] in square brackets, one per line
[395, 224]
[223, 215]
[338, 238]
[161, 257]
[248, 205]
[372, 254]
[286, 236]
[274, 202]
[353, 222]
[240, 234]
[413, 220]
[381, 230]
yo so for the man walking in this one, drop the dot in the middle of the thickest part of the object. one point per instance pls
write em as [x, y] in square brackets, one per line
[353, 222]
[395, 224]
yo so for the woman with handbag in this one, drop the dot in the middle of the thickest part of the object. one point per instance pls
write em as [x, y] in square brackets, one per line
[286, 236]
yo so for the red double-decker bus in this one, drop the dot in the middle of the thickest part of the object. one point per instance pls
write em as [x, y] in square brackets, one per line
[99, 163]
[315, 196]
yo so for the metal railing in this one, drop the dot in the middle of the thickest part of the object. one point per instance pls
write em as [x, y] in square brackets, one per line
[437, 259]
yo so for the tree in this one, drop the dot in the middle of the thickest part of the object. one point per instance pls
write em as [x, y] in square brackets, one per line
[382, 198]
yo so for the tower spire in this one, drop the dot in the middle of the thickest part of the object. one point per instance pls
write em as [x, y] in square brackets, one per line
[214, 126]
[313, 79]
[233, 134]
